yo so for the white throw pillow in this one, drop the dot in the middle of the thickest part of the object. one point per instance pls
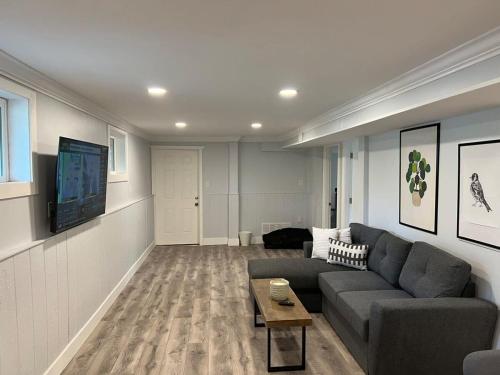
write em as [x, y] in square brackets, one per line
[321, 241]
[344, 235]
[349, 255]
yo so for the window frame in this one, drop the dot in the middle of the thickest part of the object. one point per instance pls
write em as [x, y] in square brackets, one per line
[112, 154]
[4, 140]
[14, 189]
[118, 135]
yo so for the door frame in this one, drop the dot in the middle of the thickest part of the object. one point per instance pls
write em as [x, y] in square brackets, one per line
[200, 182]
[327, 185]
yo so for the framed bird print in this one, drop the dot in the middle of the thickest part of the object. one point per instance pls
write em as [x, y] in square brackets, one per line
[419, 177]
[478, 218]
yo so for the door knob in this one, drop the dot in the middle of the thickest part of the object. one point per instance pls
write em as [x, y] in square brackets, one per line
[196, 204]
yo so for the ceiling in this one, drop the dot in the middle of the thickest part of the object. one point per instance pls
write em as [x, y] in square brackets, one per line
[224, 62]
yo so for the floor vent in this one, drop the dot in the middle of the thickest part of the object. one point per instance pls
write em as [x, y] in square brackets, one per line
[270, 227]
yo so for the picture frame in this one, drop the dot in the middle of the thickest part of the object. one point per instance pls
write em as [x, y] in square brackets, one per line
[478, 198]
[419, 149]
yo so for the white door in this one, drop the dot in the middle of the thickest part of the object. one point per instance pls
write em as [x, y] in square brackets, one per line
[175, 186]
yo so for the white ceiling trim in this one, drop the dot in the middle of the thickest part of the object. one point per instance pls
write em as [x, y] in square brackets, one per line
[468, 67]
[15, 70]
[207, 139]
[279, 138]
[179, 139]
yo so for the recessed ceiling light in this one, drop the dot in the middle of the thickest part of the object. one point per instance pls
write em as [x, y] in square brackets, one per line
[156, 91]
[256, 125]
[180, 125]
[288, 93]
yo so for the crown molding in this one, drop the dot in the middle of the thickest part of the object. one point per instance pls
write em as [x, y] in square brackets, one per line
[224, 139]
[382, 101]
[293, 134]
[23, 74]
[194, 139]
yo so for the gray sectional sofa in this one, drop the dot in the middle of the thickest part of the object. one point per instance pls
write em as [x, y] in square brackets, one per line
[412, 312]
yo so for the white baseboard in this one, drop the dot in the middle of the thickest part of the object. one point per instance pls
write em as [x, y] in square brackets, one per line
[214, 241]
[257, 240]
[75, 344]
[233, 242]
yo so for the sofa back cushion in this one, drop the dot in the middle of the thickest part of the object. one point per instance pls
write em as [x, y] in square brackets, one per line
[365, 235]
[388, 257]
[430, 272]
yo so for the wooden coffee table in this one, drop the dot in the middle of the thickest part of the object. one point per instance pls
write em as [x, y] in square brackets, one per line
[277, 316]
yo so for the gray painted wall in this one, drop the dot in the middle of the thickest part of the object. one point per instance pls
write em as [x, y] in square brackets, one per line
[314, 185]
[24, 220]
[274, 186]
[279, 186]
[215, 190]
[384, 198]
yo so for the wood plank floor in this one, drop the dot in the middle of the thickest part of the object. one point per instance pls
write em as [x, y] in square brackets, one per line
[187, 311]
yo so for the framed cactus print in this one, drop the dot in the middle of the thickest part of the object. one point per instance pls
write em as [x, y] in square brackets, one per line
[419, 177]
[478, 210]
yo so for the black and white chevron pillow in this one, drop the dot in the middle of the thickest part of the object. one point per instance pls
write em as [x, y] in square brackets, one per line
[349, 255]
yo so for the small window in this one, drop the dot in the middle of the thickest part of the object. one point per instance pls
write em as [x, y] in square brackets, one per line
[17, 140]
[118, 149]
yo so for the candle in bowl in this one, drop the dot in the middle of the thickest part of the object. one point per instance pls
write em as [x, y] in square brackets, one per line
[278, 289]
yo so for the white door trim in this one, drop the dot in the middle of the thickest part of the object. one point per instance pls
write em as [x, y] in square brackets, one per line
[200, 181]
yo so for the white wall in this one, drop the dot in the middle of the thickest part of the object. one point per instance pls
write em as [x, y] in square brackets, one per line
[384, 198]
[51, 286]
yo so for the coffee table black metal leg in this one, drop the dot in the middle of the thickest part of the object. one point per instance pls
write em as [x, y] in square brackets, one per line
[300, 367]
[256, 312]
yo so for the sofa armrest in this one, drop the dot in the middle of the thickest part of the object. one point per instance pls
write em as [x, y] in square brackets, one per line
[485, 362]
[308, 248]
[427, 335]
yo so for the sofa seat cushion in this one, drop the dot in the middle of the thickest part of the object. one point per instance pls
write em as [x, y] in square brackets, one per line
[388, 257]
[355, 306]
[301, 273]
[430, 272]
[333, 283]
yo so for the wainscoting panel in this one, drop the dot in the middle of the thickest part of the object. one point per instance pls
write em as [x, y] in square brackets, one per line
[8, 319]
[49, 293]
[24, 309]
[39, 291]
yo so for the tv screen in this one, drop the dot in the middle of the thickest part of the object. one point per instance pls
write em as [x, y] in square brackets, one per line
[81, 178]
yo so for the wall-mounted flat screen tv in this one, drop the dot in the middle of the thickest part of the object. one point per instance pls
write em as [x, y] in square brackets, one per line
[81, 179]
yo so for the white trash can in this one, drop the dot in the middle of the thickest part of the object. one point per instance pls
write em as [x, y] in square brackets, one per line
[245, 237]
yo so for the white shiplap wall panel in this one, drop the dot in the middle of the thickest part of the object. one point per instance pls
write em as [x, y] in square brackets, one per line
[24, 308]
[72, 253]
[84, 280]
[49, 292]
[50, 255]
[62, 290]
[39, 308]
[9, 354]
[150, 221]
